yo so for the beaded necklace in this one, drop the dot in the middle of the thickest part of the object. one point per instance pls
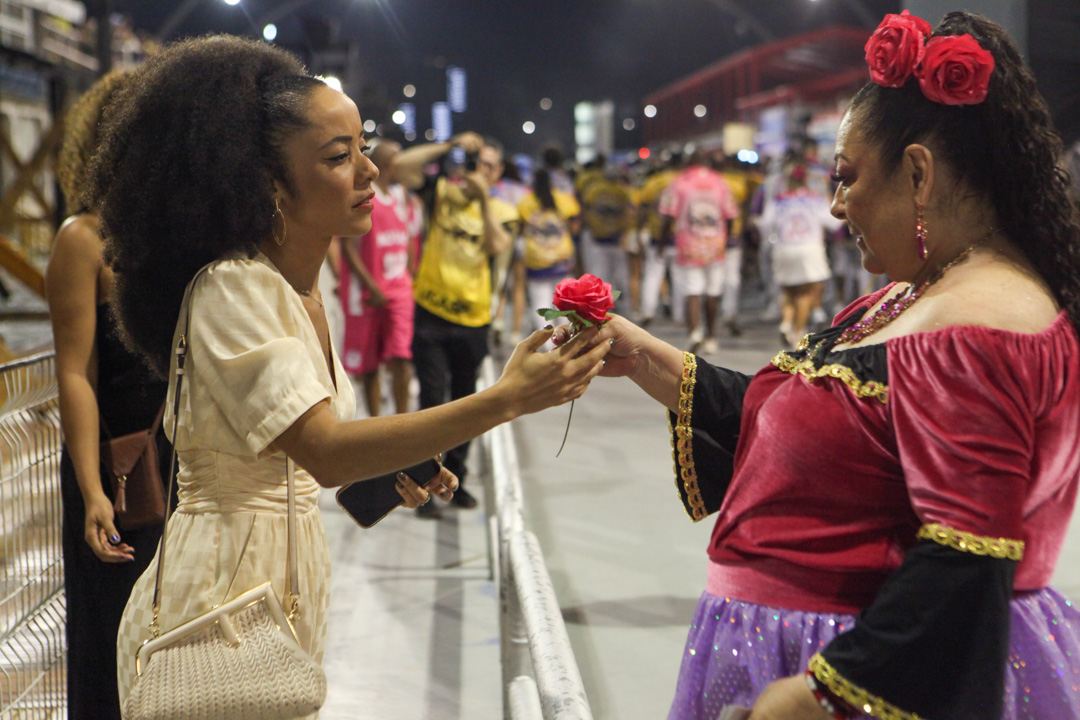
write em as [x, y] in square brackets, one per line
[890, 309]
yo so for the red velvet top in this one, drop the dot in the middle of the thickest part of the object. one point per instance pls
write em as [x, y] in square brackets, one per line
[842, 458]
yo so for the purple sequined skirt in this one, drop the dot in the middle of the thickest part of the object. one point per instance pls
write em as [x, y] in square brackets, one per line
[735, 649]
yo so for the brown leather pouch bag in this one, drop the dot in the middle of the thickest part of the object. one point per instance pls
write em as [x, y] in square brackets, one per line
[131, 464]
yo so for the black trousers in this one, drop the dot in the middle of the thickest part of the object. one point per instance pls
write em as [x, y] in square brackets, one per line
[446, 358]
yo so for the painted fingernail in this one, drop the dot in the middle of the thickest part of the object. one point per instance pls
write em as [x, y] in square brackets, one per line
[115, 538]
[610, 342]
[400, 476]
[549, 327]
[398, 483]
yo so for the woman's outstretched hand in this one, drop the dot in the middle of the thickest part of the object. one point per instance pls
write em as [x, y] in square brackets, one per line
[534, 380]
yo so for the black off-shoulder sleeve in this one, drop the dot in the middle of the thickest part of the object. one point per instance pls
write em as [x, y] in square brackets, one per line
[932, 645]
[704, 433]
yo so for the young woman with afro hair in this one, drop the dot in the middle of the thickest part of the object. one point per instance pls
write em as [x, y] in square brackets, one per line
[225, 154]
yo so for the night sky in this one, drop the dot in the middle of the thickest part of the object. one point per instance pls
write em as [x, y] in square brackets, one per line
[518, 51]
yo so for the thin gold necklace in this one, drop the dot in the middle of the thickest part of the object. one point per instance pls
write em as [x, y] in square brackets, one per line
[892, 308]
[307, 294]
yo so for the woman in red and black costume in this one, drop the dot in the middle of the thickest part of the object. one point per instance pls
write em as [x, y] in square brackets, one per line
[894, 494]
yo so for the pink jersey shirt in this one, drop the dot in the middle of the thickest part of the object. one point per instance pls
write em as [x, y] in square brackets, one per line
[385, 249]
[701, 202]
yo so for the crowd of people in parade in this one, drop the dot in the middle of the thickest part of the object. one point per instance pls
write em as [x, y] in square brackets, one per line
[676, 235]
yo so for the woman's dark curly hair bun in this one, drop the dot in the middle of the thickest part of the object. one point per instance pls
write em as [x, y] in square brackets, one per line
[1004, 149]
[183, 173]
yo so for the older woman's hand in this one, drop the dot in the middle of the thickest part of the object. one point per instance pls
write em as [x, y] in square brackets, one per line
[534, 380]
[625, 338]
[788, 699]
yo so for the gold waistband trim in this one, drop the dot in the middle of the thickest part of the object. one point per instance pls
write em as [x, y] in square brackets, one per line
[1002, 548]
[854, 695]
[682, 440]
[863, 389]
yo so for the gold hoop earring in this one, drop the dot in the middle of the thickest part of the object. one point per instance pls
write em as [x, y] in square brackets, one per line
[284, 228]
[920, 231]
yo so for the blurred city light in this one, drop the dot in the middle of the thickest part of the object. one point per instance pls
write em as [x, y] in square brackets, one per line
[270, 32]
[528, 127]
[409, 90]
[650, 111]
[455, 89]
[747, 156]
[369, 126]
[628, 124]
[429, 135]
[644, 153]
[699, 111]
[545, 103]
[232, 2]
[441, 121]
[405, 116]
[410, 136]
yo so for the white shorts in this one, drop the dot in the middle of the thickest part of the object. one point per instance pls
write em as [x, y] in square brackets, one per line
[692, 281]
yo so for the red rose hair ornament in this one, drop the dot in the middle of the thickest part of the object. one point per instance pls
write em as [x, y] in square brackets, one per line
[895, 48]
[955, 70]
[952, 69]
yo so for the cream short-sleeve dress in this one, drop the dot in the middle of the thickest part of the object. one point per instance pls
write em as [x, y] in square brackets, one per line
[254, 366]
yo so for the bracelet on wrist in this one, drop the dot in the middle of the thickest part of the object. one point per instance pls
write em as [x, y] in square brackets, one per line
[833, 705]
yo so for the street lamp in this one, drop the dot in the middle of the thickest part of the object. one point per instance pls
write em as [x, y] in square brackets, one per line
[528, 127]
[270, 32]
[650, 111]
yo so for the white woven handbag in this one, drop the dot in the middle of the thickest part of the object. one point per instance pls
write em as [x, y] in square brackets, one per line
[240, 660]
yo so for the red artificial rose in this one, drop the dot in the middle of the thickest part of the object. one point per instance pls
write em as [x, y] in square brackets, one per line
[588, 296]
[955, 70]
[894, 50]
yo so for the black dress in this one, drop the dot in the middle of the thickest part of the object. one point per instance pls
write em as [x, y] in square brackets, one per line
[129, 397]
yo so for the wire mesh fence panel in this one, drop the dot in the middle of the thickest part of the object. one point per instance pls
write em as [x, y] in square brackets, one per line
[32, 606]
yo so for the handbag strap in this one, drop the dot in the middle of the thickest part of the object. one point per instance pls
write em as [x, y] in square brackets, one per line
[292, 596]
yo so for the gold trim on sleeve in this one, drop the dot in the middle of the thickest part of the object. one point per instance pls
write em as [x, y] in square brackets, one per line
[854, 695]
[682, 440]
[1001, 548]
[863, 389]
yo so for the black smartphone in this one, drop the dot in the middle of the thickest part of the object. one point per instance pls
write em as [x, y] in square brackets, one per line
[471, 161]
[369, 501]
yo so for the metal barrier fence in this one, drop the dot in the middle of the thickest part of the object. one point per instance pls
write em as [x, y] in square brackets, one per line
[32, 609]
[540, 674]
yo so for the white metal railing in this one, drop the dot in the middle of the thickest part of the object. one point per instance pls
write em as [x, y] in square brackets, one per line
[32, 606]
[540, 673]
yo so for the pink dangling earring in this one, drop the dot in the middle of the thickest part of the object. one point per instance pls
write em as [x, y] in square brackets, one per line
[920, 230]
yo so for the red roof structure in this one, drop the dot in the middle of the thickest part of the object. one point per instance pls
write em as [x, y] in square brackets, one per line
[811, 67]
